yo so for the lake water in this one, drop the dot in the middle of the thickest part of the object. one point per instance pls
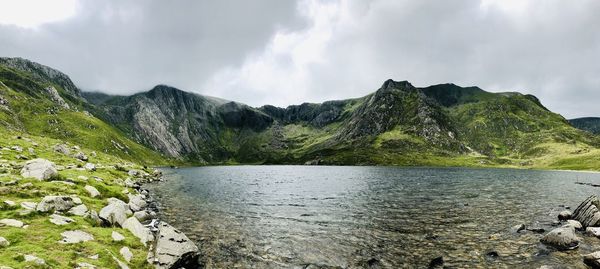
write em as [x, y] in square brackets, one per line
[371, 217]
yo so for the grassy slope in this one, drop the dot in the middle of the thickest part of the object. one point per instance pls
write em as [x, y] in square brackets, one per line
[40, 238]
[32, 112]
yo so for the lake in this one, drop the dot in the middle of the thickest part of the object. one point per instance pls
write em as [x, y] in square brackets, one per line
[371, 217]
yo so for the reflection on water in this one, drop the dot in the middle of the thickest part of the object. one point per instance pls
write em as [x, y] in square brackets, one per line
[378, 217]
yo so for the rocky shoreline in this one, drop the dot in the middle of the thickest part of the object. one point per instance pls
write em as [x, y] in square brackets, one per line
[98, 207]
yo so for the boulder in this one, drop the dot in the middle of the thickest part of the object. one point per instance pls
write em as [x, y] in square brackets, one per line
[576, 224]
[92, 191]
[564, 215]
[137, 202]
[60, 220]
[9, 203]
[33, 259]
[563, 238]
[81, 156]
[80, 210]
[40, 169]
[173, 249]
[593, 231]
[56, 203]
[126, 254]
[73, 237]
[117, 236]
[90, 167]
[62, 148]
[592, 260]
[517, 228]
[142, 216]
[587, 212]
[113, 214]
[138, 230]
[3, 242]
[96, 220]
[11, 223]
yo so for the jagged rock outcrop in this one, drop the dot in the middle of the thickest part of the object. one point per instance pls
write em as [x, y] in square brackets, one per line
[587, 212]
[173, 249]
[42, 73]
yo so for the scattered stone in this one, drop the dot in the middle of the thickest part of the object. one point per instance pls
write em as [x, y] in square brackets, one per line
[174, 249]
[60, 220]
[138, 230]
[121, 264]
[94, 257]
[92, 191]
[29, 205]
[575, 224]
[11, 222]
[142, 216]
[115, 212]
[84, 178]
[40, 169]
[563, 238]
[587, 213]
[83, 265]
[90, 167]
[117, 236]
[17, 148]
[3, 242]
[564, 215]
[81, 156]
[9, 203]
[132, 173]
[34, 259]
[517, 228]
[80, 210]
[73, 237]
[137, 202]
[126, 253]
[56, 203]
[96, 220]
[129, 183]
[592, 260]
[62, 148]
[593, 231]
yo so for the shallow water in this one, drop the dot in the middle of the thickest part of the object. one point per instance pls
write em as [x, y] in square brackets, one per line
[378, 217]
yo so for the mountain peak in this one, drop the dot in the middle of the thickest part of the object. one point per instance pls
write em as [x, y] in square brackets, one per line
[391, 84]
[42, 73]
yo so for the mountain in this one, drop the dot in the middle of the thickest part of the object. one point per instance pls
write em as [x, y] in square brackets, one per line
[398, 124]
[591, 125]
[38, 100]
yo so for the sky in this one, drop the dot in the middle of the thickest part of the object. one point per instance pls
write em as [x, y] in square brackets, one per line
[288, 52]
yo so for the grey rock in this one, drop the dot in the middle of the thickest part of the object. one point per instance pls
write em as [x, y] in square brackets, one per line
[138, 230]
[9, 203]
[114, 213]
[121, 264]
[92, 191]
[80, 210]
[173, 249]
[564, 215]
[83, 265]
[3, 242]
[90, 167]
[575, 224]
[62, 148]
[563, 238]
[517, 228]
[137, 202]
[74, 237]
[40, 169]
[117, 236]
[587, 212]
[126, 254]
[11, 223]
[34, 259]
[55, 97]
[81, 156]
[142, 216]
[56, 203]
[60, 220]
[593, 231]
[95, 218]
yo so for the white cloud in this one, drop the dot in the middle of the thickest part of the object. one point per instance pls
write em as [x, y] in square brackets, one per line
[32, 13]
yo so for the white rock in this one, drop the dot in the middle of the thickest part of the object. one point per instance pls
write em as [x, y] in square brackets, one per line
[115, 212]
[92, 191]
[40, 169]
[575, 224]
[90, 167]
[3, 242]
[138, 230]
[83, 265]
[34, 259]
[73, 237]
[60, 220]
[121, 264]
[80, 210]
[84, 178]
[117, 236]
[137, 202]
[593, 231]
[56, 203]
[9, 203]
[142, 216]
[11, 223]
[126, 253]
[172, 248]
[28, 205]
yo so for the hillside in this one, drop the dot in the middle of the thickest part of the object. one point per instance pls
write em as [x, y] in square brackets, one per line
[591, 125]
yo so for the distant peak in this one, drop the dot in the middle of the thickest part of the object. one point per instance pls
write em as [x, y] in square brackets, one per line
[390, 84]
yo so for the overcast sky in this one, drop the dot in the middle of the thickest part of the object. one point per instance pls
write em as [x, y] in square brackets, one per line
[285, 52]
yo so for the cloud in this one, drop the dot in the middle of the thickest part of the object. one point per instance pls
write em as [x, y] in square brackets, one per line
[284, 52]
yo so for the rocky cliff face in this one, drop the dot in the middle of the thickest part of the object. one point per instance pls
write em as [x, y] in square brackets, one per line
[591, 125]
